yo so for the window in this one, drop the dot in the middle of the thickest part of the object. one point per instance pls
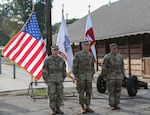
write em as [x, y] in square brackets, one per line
[146, 45]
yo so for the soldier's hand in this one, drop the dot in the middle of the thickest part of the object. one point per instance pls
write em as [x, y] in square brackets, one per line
[76, 79]
[105, 79]
[46, 83]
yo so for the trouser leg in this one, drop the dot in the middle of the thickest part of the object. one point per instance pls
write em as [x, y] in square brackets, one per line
[59, 94]
[111, 89]
[81, 90]
[118, 88]
[51, 95]
[88, 90]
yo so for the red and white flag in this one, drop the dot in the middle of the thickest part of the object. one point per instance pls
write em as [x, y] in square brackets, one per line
[27, 48]
[89, 35]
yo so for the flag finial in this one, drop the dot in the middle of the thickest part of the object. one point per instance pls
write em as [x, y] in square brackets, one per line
[33, 8]
[109, 2]
[62, 8]
[89, 8]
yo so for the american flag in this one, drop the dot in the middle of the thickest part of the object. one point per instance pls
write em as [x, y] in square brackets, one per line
[27, 48]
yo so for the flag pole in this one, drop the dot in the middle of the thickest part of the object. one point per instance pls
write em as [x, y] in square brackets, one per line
[94, 43]
[22, 28]
[69, 74]
[89, 9]
[63, 23]
[29, 17]
[62, 9]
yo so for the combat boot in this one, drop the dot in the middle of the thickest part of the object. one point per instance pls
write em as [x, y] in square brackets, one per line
[111, 107]
[88, 109]
[53, 112]
[59, 111]
[83, 109]
[117, 107]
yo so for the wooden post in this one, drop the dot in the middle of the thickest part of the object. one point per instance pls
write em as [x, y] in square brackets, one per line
[48, 25]
[128, 56]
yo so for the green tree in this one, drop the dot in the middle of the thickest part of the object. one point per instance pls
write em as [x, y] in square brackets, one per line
[15, 13]
[3, 38]
[70, 21]
[40, 13]
[22, 8]
[7, 22]
[55, 27]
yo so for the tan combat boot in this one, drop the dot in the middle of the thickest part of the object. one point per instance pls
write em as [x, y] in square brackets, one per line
[111, 107]
[88, 109]
[117, 107]
[59, 111]
[53, 112]
[83, 109]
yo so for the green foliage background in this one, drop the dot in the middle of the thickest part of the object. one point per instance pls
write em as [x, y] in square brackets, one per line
[15, 13]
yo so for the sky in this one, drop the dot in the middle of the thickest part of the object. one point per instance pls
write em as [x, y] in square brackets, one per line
[75, 8]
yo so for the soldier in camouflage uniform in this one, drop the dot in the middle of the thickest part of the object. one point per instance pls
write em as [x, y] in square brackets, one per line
[83, 69]
[113, 72]
[54, 73]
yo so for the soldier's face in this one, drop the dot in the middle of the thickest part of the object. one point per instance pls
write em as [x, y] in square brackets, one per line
[54, 52]
[85, 47]
[114, 50]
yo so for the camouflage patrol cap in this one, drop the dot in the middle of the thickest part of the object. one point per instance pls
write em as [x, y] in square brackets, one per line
[85, 42]
[54, 47]
[113, 45]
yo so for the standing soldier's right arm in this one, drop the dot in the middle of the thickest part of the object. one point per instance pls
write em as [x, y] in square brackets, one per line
[45, 71]
[104, 67]
[75, 66]
[64, 69]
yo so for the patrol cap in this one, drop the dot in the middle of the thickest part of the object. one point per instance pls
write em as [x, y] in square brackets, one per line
[113, 45]
[54, 47]
[85, 42]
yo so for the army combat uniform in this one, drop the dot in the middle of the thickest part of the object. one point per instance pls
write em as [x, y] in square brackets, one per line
[54, 73]
[83, 69]
[113, 71]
